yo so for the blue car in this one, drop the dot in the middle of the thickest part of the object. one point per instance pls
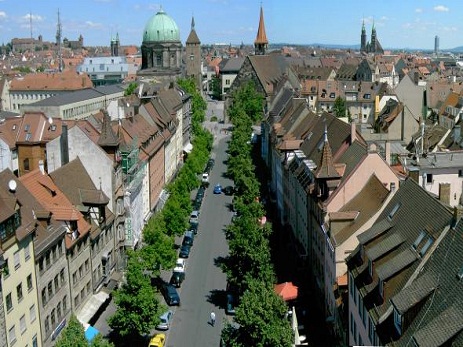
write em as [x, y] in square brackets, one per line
[218, 189]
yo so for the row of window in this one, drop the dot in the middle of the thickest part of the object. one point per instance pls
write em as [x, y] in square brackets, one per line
[78, 274]
[55, 315]
[53, 287]
[19, 293]
[87, 290]
[51, 256]
[15, 96]
[23, 328]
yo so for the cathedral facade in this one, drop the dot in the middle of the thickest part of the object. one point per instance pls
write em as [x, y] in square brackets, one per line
[373, 46]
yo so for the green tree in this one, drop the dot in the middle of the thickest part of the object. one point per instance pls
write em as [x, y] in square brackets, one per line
[99, 341]
[339, 107]
[158, 252]
[261, 316]
[215, 88]
[73, 335]
[138, 308]
[130, 89]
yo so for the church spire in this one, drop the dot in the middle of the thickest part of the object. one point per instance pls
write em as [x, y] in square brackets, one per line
[192, 23]
[261, 42]
[326, 170]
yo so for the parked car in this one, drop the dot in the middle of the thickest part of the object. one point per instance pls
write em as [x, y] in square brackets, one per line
[231, 303]
[165, 320]
[188, 238]
[180, 265]
[157, 340]
[194, 228]
[229, 190]
[205, 179]
[200, 193]
[218, 189]
[209, 165]
[194, 217]
[177, 278]
[170, 294]
[184, 251]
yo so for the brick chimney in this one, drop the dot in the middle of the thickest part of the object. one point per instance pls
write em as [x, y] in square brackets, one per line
[444, 193]
[387, 154]
[353, 132]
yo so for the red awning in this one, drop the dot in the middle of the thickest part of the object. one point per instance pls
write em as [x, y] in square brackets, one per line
[288, 291]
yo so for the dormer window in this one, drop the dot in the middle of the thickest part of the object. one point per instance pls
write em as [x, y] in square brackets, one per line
[398, 321]
[9, 226]
[426, 246]
[394, 211]
[332, 95]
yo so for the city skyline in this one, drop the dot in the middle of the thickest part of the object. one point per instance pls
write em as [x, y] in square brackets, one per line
[399, 24]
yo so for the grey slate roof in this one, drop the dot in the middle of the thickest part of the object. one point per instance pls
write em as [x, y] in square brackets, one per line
[433, 302]
[78, 95]
[415, 292]
[396, 264]
[384, 247]
[447, 324]
[376, 230]
[418, 211]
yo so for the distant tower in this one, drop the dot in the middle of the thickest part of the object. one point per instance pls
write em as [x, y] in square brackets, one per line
[193, 55]
[373, 39]
[115, 46]
[363, 38]
[261, 42]
[58, 43]
[436, 45]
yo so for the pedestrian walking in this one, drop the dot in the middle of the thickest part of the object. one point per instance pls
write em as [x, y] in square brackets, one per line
[212, 318]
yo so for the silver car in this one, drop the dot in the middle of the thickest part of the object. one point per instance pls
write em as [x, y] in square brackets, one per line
[165, 318]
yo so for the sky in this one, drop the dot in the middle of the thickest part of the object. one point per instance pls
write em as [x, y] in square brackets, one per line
[399, 24]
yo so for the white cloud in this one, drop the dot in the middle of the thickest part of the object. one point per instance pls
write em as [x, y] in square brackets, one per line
[419, 10]
[3, 15]
[34, 17]
[441, 8]
[451, 29]
[91, 24]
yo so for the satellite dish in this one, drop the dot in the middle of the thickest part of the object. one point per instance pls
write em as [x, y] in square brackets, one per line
[12, 185]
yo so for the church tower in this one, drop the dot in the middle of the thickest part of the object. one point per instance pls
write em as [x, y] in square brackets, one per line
[363, 39]
[115, 46]
[373, 39]
[193, 55]
[261, 42]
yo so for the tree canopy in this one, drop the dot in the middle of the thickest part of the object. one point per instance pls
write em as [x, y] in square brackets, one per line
[73, 335]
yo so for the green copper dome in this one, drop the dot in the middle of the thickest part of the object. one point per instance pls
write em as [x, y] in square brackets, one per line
[161, 28]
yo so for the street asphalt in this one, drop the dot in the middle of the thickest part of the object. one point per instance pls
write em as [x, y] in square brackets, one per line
[204, 288]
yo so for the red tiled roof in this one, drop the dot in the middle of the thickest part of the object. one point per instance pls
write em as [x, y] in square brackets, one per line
[53, 199]
[66, 80]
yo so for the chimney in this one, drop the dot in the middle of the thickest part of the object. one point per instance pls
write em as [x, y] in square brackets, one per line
[42, 167]
[353, 132]
[444, 193]
[457, 213]
[64, 145]
[387, 154]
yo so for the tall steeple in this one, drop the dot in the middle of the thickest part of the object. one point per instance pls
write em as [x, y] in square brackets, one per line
[261, 42]
[193, 55]
[326, 170]
[363, 38]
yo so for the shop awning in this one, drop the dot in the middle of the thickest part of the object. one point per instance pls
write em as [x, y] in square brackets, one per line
[92, 306]
[288, 291]
[90, 333]
[188, 148]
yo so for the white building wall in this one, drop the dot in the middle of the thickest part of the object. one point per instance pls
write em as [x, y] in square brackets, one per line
[361, 330]
[444, 176]
[97, 163]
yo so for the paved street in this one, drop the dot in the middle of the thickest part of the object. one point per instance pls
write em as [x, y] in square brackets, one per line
[204, 288]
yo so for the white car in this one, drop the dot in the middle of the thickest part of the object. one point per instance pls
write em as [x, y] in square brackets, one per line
[194, 217]
[180, 265]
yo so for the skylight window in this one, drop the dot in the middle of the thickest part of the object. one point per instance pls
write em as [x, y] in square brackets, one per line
[419, 239]
[394, 211]
[426, 246]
